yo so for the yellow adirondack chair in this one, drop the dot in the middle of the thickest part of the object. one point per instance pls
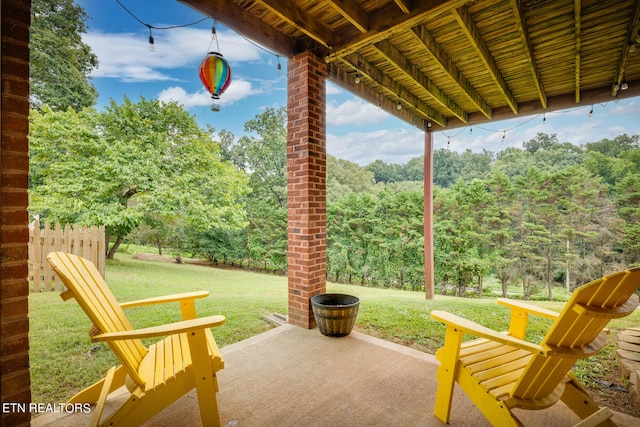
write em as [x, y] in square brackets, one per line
[155, 376]
[502, 371]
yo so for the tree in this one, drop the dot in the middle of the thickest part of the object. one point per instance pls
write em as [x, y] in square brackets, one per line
[263, 156]
[628, 202]
[344, 177]
[60, 61]
[130, 165]
[385, 172]
[475, 165]
[446, 167]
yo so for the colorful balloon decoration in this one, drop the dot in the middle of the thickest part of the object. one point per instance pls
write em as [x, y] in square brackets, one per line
[215, 74]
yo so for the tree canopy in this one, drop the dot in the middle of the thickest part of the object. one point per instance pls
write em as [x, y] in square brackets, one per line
[60, 61]
[134, 163]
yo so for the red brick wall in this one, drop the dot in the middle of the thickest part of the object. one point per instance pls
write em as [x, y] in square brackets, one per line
[14, 172]
[306, 172]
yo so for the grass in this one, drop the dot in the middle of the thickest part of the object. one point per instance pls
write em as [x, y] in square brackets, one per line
[63, 360]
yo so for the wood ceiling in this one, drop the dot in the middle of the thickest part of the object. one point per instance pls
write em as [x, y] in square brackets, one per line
[452, 63]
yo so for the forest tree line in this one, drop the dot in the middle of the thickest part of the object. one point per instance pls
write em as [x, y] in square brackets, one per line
[548, 213]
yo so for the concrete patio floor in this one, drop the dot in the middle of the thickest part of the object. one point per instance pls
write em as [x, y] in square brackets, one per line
[290, 376]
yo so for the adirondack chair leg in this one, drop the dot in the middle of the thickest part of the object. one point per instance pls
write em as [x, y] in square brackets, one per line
[579, 401]
[91, 394]
[497, 412]
[446, 375]
[205, 379]
[108, 380]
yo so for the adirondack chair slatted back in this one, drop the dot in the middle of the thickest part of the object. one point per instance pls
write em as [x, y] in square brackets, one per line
[93, 295]
[578, 331]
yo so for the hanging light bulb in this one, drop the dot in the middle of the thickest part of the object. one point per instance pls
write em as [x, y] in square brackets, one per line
[591, 111]
[279, 67]
[152, 45]
[624, 85]
[399, 106]
[357, 77]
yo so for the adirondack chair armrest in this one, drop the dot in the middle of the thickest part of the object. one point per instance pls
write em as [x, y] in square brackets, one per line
[470, 327]
[166, 299]
[520, 312]
[162, 330]
[528, 308]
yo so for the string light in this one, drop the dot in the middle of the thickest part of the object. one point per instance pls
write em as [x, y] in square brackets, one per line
[504, 131]
[544, 118]
[152, 45]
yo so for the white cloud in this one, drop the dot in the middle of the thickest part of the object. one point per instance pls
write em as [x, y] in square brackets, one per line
[126, 56]
[354, 112]
[237, 90]
[392, 146]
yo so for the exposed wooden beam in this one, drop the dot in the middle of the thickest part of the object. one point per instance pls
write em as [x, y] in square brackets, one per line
[386, 21]
[345, 80]
[633, 28]
[403, 5]
[245, 23]
[394, 91]
[446, 64]
[291, 13]
[352, 13]
[402, 64]
[473, 34]
[578, 40]
[554, 103]
[528, 50]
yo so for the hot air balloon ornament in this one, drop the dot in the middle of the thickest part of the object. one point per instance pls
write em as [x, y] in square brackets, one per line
[215, 75]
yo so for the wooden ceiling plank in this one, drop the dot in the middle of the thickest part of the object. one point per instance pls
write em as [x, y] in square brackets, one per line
[442, 59]
[245, 23]
[578, 39]
[634, 25]
[353, 13]
[402, 64]
[369, 72]
[468, 26]
[386, 21]
[528, 50]
[403, 5]
[343, 79]
[291, 13]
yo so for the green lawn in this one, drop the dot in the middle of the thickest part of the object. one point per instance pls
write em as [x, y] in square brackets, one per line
[63, 360]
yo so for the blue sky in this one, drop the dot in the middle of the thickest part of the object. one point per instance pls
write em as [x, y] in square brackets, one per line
[356, 130]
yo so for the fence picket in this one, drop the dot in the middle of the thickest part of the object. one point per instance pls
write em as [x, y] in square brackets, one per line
[88, 242]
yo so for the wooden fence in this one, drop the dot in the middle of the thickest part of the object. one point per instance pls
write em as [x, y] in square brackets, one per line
[87, 242]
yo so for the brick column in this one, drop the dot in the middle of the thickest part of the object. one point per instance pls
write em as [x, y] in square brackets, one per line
[14, 231]
[306, 187]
